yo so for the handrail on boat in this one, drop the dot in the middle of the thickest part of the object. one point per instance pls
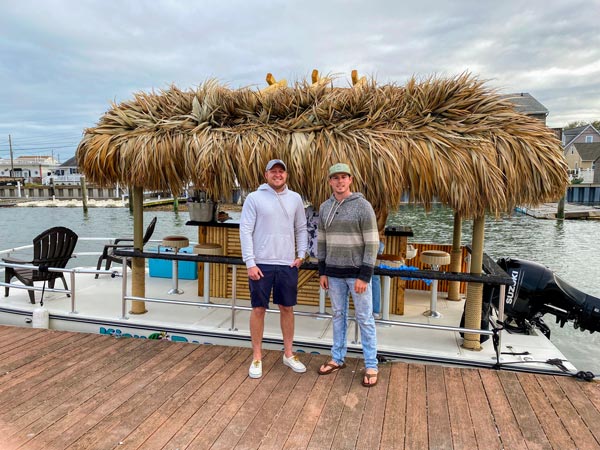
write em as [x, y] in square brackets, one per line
[494, 276]
[497, 279]
[72, 272]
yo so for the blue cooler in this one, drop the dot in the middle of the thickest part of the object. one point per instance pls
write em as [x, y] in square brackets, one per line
[163, 268]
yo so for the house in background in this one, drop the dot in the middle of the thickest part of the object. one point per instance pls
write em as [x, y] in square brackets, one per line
[526, 104]
[31, 168]
[66, 173]
[584, 134]
[583, 159]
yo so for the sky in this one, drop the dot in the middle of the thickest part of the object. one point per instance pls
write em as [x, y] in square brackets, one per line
[62, 62]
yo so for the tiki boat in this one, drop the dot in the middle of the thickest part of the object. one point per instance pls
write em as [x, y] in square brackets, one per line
[452, 141]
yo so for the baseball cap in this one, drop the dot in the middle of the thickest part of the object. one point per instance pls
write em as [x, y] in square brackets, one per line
[273, 163]
[339, 168]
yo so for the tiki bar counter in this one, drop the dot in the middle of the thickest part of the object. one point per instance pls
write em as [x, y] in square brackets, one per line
[223, 238]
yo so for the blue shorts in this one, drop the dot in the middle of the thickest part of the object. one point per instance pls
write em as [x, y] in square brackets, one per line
[282, 280]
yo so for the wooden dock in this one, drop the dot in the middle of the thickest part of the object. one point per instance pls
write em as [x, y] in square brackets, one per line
[572, 211]
[63, 390]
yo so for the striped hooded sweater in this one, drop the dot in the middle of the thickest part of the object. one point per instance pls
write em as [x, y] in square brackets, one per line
[347, 239]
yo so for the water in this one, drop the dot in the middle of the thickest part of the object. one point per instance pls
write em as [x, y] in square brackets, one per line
[570, 248]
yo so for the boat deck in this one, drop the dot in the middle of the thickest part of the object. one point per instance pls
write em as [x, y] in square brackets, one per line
[75, 390]
[99, 310]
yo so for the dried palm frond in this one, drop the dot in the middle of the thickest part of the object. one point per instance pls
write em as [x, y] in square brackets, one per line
[446, 139]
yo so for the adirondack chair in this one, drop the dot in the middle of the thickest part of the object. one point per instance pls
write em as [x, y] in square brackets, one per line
[108, 252]
[52, 248]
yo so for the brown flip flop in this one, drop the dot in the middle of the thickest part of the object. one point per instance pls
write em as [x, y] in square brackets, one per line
[370, 376]
[331, 367]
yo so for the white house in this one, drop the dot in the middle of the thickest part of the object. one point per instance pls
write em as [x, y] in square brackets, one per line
[32, 168]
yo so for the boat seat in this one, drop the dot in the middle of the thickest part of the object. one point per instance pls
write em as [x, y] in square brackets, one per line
[108, 253]
[52, 248]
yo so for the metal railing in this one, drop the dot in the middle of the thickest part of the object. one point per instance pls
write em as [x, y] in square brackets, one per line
[495, 276]
[71, 291]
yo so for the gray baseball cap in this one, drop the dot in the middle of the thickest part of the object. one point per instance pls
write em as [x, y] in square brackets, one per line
[273, 163]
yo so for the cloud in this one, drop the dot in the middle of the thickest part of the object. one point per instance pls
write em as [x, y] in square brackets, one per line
[64, 62]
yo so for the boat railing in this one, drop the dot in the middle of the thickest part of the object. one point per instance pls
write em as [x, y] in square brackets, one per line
[6, 253]
[493, 275]
[71, 291]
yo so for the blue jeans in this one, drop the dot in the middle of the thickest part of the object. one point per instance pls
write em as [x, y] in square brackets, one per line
[339, 290]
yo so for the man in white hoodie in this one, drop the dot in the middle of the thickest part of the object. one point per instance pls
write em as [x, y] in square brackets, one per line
[274, 243]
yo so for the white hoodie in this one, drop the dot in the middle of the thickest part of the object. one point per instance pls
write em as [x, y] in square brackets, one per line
[273, 227]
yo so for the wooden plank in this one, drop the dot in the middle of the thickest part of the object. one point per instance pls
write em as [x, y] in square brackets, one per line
[461, 425]
[479, 408]
[194, 412]
[254, 407]
[84, 418]
[57, 420]
[67, 397]
[15, 337]
[32, 359]
[532, 431]
[329, 419]
[113, 428]
[59, 386]
[416, 410]
[567, 413]
[15, 342]
[582, 404]
[40, 379]
[200, 418]
[216, 358]
[101, 392]
[371, 426]
[272, 424]
[550, 422]
[311, 412]
[504, 417]
[347, 433]
[394, 421]
[592, 391]
[438, 416]
[207, 435]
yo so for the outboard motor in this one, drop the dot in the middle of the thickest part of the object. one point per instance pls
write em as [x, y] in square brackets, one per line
[536, 291]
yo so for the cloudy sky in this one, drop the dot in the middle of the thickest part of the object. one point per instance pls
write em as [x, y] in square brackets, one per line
[63, 61]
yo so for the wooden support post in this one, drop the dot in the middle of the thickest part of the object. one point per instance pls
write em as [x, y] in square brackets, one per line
[475, 290]
[138, 265]
[84, 196]
[560, 214]
[455, 256]
[202, 231]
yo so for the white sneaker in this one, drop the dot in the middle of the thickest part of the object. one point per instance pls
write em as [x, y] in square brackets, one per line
[255, 370]
[294, 363]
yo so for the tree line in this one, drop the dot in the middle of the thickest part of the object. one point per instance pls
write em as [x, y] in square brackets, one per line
[581, 123]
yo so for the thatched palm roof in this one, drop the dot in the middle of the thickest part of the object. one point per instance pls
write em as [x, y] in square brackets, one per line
[448, 139]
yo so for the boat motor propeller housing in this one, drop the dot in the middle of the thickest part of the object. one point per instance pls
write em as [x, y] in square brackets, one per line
[537, 291]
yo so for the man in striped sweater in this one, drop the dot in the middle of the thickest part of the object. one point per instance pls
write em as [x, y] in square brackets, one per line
[347, 243]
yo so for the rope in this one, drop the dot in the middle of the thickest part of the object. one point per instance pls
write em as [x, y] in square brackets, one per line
[496, 343]
[43, 269]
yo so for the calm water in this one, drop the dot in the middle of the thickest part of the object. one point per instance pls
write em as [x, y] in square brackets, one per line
[570, 248]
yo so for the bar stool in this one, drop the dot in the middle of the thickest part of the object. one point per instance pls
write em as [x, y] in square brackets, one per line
[435, 259]
[207, 249]
[175, 242]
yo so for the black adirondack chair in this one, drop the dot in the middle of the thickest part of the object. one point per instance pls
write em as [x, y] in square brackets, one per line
[108, 252]
[52, 248]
